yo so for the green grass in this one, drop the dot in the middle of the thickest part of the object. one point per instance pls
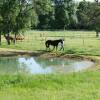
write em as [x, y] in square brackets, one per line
[76, 42]
[75, 86]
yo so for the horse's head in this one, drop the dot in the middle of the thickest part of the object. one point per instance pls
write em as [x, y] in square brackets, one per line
[47, 44]
[62, 41]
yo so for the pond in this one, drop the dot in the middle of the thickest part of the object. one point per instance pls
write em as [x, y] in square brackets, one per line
[37, 65]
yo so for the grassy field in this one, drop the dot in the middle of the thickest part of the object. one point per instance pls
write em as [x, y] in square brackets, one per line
[80, 86]
[76, 42]
[74, 86]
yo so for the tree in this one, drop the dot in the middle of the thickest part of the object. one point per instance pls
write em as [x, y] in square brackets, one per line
[82, 15]
[1, 2]
[64, 11]
[97, 26]
[0, 28]
[44, 11]
[89, 16]
[97, 18]
[16, 17]
[94, 17]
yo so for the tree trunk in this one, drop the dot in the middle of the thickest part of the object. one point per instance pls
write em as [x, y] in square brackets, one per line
[0, 38]
[97, 34]
[8, 39]
[15, 39]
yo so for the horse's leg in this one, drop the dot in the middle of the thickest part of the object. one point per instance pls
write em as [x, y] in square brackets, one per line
[62, 47]
[11, 40]
[46, 48]
[56, 48]
[49, 48]
[53, 48]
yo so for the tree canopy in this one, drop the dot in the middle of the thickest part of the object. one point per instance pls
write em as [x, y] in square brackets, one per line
[15, 16]
[89, 16]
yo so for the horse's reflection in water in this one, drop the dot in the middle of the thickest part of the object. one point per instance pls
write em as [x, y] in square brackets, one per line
[55, 43]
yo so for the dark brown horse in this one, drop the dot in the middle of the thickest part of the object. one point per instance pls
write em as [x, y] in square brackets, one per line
[10, 38]
[54, 43]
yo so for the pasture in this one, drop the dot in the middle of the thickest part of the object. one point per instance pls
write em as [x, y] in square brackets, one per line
[76, 42]
[75, 86]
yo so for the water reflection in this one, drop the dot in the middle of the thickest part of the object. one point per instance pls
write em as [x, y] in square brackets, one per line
[36, 65]
[78, 66]
[33, 66]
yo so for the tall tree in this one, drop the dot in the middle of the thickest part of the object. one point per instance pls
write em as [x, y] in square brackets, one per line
[44, 11]
[1, 2]
[82, 15]
[64, 11]
[0, 28]
[89, 16]
[94, 17]
[16, 16]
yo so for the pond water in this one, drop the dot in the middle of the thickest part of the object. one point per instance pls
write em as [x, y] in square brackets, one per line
[36, 65]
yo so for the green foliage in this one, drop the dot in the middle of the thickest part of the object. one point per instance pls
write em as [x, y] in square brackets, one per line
[61, 17]
[44, 11]
[89, 15]
[17, 15]
[43, 7]
[82, 14]
[34, 19]
[94, 16]
[48, 14]
[64, 14]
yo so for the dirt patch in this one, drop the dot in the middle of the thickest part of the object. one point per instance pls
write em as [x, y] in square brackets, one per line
[13, 52]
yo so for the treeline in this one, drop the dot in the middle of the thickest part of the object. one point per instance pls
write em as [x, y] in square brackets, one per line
[16, 15]
[67, 14]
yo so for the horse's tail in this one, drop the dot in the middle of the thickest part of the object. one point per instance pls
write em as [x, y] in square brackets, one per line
[45, 39]
[46, 44]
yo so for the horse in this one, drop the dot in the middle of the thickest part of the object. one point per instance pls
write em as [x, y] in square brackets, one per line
[9, 37]
[19, 37]
[54, 43]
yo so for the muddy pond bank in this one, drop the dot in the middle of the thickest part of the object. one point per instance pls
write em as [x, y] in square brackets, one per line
[13, 52]
[49, 55]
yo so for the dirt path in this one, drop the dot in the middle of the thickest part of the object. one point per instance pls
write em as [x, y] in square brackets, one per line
[12, 52]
